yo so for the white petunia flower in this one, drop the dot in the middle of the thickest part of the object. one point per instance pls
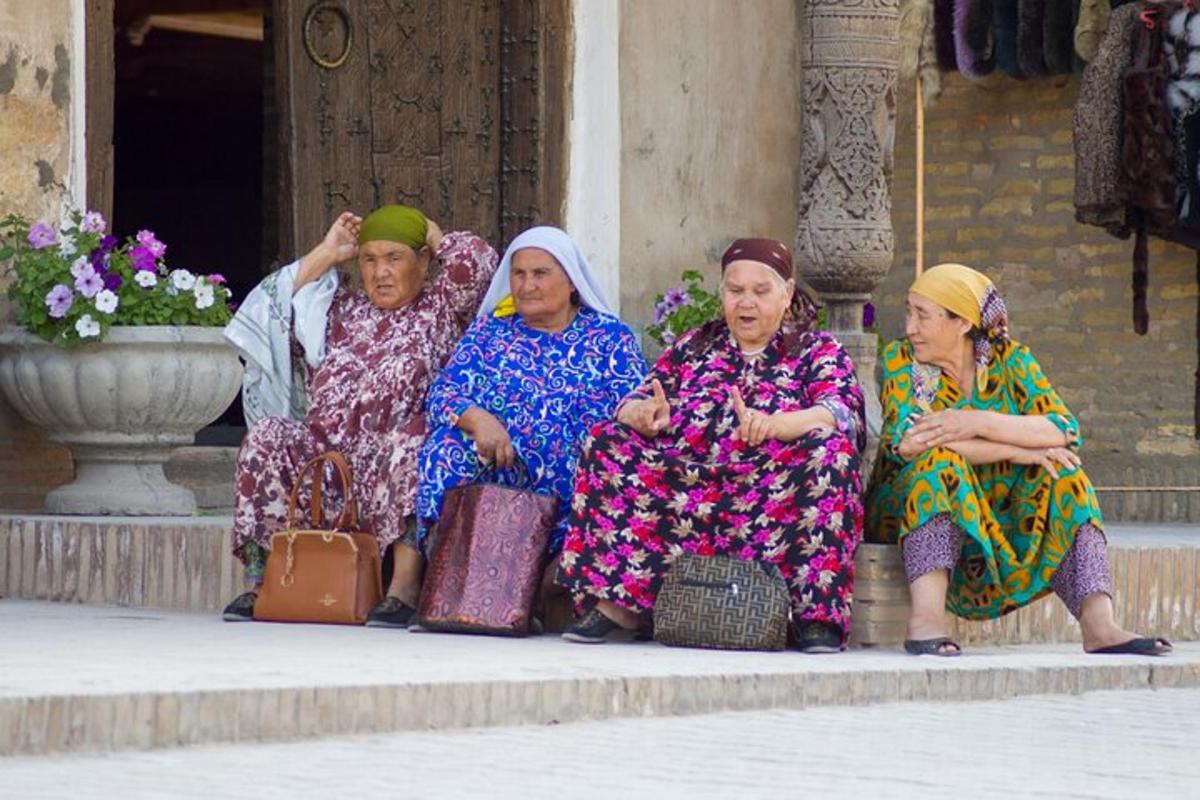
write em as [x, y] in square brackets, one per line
[204, 295]
[106, 301]
[87, 327]
[145, 279]
[67, 248]
[82, 267]
[183, 280]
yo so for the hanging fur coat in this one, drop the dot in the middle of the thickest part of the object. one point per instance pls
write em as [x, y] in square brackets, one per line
[918, 48]
[974, 45]
[1089, 30]
[1099, 117]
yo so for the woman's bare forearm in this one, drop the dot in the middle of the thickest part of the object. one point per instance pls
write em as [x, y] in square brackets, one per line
[1021, 430]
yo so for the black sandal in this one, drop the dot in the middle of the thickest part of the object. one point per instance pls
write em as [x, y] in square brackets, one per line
[933, 647]
[1142, 646]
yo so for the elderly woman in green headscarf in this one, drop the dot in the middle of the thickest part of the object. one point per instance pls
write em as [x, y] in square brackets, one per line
[333, 367]
[979, 477]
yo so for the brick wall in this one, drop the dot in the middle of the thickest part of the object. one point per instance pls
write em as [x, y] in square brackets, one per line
[998, 196]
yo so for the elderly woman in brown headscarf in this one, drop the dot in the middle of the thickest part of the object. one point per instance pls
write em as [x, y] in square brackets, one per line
[743, 440]
[979, 476]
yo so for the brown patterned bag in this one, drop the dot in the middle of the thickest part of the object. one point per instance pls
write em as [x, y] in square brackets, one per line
[486, 561]
[319, 575]
[722, 602]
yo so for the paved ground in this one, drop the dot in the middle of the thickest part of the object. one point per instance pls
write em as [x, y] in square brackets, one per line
[1098, 745]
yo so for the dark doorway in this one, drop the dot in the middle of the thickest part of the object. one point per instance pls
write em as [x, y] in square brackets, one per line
[188, 148]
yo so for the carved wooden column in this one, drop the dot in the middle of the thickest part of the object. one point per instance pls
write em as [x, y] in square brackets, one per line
[844, 242]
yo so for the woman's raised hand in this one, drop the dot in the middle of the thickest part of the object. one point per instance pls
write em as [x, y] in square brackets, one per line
[649, 416]
[341, 240]
[433, 235]
[753, 425]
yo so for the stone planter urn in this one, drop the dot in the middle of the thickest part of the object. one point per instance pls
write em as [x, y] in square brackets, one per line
[122, 405]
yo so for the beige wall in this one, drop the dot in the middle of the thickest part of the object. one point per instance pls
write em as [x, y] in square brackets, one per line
[710, 129]
[36, 55]
[35, 105]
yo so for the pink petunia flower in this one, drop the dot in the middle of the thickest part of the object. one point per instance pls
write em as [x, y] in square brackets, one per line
[59, 300]
[148, 240]
[42, 236]
[93, 222]
[89, 284]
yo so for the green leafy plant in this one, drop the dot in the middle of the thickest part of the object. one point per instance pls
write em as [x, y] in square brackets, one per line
[71, 285]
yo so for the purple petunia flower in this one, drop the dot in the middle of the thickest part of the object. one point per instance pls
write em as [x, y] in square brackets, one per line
[41, 236]
[59, 300]
[143, 259]
[148, 240]
[89, 284]
[217, 279]
[112, 281]
[93, 222]
[868, 315]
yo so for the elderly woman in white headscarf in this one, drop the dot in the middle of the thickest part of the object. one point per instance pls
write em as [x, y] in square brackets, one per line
[545, 360]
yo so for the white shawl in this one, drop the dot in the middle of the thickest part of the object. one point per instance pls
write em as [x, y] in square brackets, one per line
[272, 386]
[558, 244]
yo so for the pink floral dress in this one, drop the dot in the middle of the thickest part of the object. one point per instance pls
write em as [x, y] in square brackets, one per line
[366, 400]
[639, 503]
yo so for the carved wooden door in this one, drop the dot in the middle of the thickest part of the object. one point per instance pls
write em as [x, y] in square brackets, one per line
[452, 106]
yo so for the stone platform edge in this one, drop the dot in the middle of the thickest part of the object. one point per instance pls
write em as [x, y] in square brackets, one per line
[105, 723]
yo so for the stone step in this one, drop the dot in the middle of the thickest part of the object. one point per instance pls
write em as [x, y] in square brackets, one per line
[184, 563]
[97, 678]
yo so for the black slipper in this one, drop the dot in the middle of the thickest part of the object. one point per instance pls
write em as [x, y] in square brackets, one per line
[933, 647]
[1144, 646]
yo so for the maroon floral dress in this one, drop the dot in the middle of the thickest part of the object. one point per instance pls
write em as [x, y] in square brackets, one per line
[366, 400]
[639, 502]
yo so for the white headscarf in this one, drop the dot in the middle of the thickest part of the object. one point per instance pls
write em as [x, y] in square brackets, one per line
[558, 244]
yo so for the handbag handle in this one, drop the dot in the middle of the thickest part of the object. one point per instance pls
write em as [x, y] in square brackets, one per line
[348, 519]
[519, 466]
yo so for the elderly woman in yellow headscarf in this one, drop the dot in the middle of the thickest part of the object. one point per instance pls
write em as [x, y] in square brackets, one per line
[366, 358]
[979, 477]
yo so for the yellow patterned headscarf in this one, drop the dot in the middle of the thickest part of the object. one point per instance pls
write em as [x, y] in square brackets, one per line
[971, 295]
[955, 287]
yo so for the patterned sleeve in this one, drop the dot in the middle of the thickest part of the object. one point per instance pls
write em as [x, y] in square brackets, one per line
[896, 396]
[462, 379]
[624, 372]
[832, 383]
[1035, 396]
[468, 264]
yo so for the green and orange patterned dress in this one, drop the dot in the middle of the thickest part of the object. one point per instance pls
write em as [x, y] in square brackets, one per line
[1019, 520]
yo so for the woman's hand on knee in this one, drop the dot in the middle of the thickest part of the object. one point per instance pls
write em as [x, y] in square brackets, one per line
[942, 427]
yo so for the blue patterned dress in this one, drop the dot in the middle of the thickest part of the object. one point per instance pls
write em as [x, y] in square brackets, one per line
[548, 389]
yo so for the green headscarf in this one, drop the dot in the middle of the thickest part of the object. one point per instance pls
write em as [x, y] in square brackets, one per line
[394, 223]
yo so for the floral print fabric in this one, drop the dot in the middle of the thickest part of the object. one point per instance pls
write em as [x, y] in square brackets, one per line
[366, 401]
[1020, 521]
[639, 503]
[547, 389]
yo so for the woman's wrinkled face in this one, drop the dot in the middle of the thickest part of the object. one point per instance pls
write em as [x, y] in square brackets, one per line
[754, 298]
[540, 287]
[935, 336]
[392, 273]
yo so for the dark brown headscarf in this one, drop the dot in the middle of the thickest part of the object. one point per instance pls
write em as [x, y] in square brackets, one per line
[801, 316]
[775, 254]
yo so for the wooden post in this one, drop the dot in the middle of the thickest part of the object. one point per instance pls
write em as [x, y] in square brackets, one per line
[920, 176]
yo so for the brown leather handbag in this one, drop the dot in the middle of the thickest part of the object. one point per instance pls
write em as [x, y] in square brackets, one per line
[486, 565]
[320, 575]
